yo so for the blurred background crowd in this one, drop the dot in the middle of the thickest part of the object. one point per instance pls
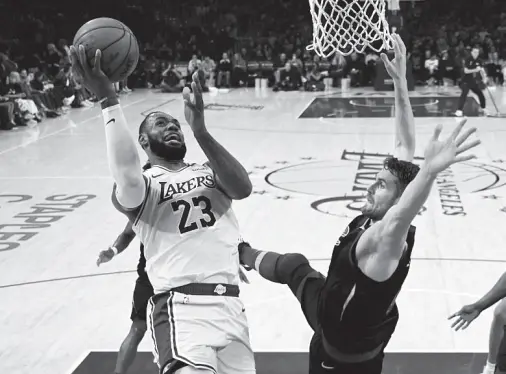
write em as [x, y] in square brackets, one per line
[232, 42]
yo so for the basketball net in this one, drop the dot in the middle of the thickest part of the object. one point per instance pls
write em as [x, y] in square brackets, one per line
[349, 26]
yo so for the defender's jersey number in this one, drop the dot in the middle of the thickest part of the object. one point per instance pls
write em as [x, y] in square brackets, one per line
[208, 219]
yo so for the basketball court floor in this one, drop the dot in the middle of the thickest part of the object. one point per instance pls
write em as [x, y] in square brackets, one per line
[310, 157]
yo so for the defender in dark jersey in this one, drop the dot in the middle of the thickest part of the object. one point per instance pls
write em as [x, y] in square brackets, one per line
[352, 311]
[143, 291]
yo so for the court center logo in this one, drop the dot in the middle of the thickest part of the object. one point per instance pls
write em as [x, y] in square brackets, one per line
[339, 186]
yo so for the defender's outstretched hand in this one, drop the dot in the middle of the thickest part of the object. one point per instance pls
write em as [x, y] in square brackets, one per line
[439, 155]
[92, 77]
[397, 67]
[464, 317]
[105, 256]
[194, 109]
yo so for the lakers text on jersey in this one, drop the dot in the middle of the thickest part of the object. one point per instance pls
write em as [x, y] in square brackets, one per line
[188, 228]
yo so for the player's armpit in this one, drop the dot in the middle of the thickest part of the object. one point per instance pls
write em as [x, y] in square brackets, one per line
[384, 238]
[389, 234]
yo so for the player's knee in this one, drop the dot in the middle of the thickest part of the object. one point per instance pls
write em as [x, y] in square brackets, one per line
[288, 264]
[500, 311]
[138, 329]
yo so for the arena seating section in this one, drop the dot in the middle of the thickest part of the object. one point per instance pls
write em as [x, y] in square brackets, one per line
[253, 34]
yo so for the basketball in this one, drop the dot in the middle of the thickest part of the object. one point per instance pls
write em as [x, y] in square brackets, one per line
[120, 51]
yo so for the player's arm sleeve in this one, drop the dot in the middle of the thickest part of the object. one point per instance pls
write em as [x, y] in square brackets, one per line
[131, 213]
[231, 176]
[123, 158]
[388, 236]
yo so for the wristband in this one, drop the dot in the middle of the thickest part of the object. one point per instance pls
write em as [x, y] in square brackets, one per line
[112, 113]
[109, 102]
[114, 250]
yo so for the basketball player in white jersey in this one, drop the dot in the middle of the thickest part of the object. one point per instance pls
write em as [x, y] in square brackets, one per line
[182, 214]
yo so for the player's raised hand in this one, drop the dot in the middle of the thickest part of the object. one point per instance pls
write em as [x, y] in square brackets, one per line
[397, 67]
[464, 317]
[194, 108]
[440, 154]
[105, 256]
[92, 77]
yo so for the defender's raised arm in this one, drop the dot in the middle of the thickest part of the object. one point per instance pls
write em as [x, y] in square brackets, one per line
[405, 143]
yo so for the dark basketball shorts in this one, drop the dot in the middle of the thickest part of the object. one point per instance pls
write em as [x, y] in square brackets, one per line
[143, 291]
[501, 354]
[306, 284]
[203, 331]
[320, 362]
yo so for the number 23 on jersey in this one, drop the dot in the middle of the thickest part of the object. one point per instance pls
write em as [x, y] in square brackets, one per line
[185, 207]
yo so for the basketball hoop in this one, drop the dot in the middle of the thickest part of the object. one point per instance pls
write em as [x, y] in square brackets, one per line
[349, 26]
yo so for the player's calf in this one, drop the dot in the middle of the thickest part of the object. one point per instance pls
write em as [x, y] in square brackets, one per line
[129, 346]
[496, 345]
[501, 358]
[288, 268]
[138, 329]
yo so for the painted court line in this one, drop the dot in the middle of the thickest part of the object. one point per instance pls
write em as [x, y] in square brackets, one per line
[58, 177]
[387, 351]
[71, 125]
[33, 141]
[305, 108]
[79, 361]
[398, 350]
[147, 111]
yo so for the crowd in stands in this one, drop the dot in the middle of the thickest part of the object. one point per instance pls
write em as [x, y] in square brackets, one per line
[231, 42]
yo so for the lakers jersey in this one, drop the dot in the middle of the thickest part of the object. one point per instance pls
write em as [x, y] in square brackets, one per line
[189, 231]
